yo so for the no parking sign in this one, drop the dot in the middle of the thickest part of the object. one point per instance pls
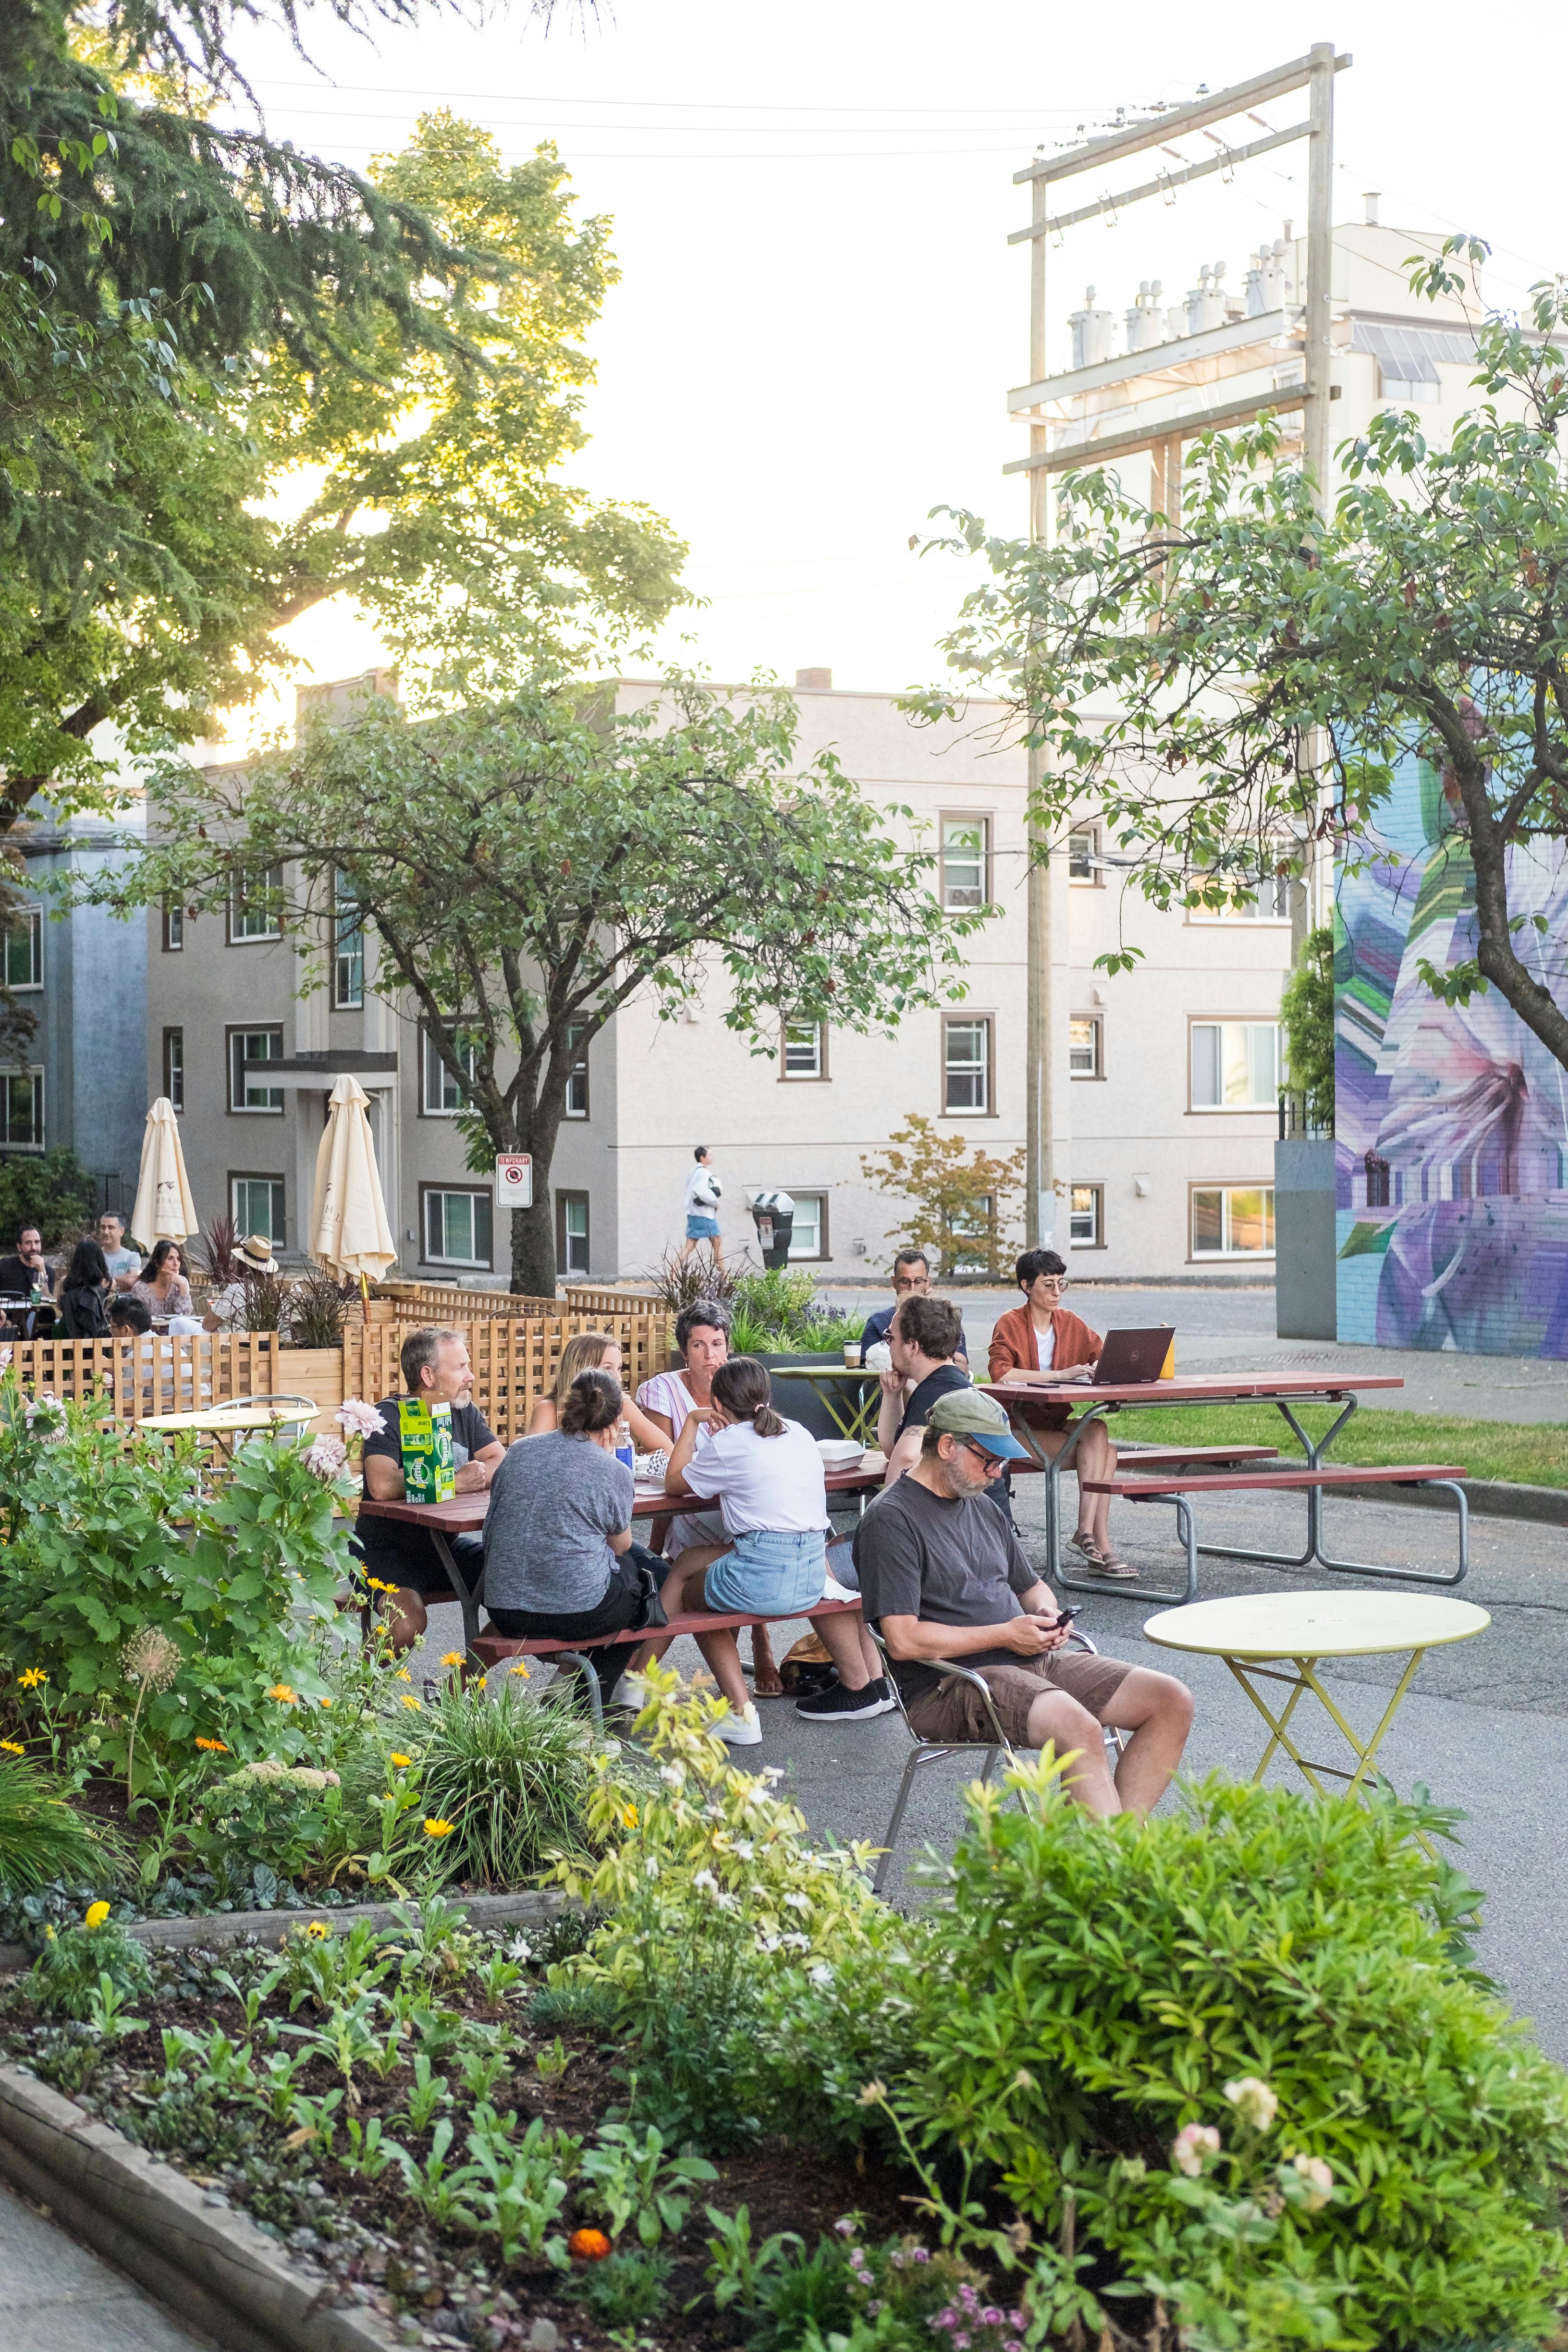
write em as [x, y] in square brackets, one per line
[514, 1180]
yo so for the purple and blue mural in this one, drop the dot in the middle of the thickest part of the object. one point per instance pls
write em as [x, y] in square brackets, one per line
[1451, 1122]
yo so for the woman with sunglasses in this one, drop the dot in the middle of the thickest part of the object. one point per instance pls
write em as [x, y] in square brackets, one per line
[1043, 1340]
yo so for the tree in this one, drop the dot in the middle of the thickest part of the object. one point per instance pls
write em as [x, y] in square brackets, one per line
[527, 867]
[190, 317]
[1426, 616]
[959, 1204]
[1307, 1017]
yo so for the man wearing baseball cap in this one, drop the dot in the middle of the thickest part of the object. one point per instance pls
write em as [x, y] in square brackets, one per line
[944, 1576]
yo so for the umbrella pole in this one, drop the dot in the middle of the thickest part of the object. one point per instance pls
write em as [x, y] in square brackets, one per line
[365, 1295]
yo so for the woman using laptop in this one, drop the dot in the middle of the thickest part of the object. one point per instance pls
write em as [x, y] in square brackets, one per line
[1040, 1344]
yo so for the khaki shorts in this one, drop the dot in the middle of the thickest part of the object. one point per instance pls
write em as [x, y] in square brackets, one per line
[956, 1710]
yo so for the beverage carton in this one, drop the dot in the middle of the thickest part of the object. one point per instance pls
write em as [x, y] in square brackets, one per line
[425, 1434]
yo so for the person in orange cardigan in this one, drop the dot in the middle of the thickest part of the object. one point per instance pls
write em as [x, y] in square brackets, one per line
[1039, 1343]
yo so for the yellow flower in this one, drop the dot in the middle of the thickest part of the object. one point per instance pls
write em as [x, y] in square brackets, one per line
[11, 1747]
[283, 1695]
[213, 1746]
[630, 1817]
[453, 1658]
[402, 1762]
[34, 1677]
[97, 1913]
[438, 1829]
[519, 1669]
[413, 1704]
[404, 1675]
[319, 1928]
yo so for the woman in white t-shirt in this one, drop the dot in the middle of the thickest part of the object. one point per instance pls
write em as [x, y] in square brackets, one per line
[766, 1475]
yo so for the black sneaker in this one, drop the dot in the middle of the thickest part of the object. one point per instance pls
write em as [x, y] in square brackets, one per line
[836, 1705]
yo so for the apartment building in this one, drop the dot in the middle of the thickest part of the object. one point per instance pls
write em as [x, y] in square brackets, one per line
[1173, 1093]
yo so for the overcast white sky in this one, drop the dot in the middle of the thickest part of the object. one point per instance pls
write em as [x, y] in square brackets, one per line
[819, 315]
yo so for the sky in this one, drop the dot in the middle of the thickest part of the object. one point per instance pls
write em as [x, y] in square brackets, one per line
[818, 314]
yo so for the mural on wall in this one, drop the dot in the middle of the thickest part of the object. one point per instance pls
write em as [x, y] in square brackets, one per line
[1451, 1121]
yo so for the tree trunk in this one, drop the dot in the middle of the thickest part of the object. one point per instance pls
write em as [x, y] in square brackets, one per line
[1495, 952]
[533, 1244]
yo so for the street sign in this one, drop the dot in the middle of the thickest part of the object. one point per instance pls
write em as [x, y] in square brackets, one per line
[514, 1180]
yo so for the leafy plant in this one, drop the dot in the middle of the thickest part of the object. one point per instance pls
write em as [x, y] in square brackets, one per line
[511, 1774]
[317, 1306]
[631, 2178]
[778, 1309]
[739, 2266]
[628, 2288]
[53, 1191]
[679, 1282]
[958, 1207]
[1285, 2000]
[806, 2298]
[518, 2187]
[43, 1838]
[1307, 1014]
[70, 1975]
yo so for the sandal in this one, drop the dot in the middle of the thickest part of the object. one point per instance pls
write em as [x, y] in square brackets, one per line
[1087, 1550]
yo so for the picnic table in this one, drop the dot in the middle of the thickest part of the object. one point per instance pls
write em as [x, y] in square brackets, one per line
[1259, 1633]
[1285, 1391]
[464, 1515]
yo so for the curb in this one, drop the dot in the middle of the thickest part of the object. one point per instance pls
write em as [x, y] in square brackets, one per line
[203, 1930]
[209, 2264]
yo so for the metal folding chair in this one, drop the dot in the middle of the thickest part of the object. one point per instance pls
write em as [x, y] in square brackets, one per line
[932, 1751]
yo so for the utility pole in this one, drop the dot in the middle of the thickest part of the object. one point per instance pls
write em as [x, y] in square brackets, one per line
[1042, 1146]
[1316, 323]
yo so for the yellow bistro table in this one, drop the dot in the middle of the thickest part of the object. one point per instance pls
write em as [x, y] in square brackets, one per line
[821, 1378]
[225, 1420]
[1261, 1634]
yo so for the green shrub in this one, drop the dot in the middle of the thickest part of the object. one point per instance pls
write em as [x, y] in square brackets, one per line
[806, 2297]
[43, 1838]
[511, 1773]
[1271, 1977]
[65, 1978]
[626, 2289]
[53, 1191]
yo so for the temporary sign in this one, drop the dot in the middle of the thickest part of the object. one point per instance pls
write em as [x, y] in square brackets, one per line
[514, 1180]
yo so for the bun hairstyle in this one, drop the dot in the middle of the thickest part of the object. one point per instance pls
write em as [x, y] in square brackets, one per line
[743, 1389]
[583, 1353]
[594, 1401]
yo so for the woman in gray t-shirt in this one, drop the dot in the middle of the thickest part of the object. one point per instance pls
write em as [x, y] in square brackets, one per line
[560, 1560]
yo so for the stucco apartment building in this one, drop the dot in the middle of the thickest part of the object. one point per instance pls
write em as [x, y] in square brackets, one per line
[1173, 1096]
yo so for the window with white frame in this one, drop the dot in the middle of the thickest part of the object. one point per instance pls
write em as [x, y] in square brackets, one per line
[1083, 854]
[256, 1207]
[1235, 1064]
[965, 854]
[572, 1232]
[1084, 1042]
[253, 1046]
[577, 1071]
[805, 1049]
[348, 940]
[442, 1097]
[24, 949]
[21, 1109]
[1233, 1220]
[1086, 1216]
[175, 1067]
[967, 1065]
[253, 907]
[458, 1227]
[809, 1235]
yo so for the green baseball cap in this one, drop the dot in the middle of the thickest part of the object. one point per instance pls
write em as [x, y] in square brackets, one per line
[965, 1412]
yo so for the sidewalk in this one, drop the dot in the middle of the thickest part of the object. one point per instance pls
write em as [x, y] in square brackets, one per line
[57, 2297]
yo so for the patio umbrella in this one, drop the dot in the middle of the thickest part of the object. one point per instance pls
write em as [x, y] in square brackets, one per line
[348, 1232]
[164, 1210]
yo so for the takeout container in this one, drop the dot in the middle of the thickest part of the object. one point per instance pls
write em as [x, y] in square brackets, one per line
[840, 1453]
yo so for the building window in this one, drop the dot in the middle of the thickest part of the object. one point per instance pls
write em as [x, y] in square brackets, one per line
[256, 1207]
[572, 1232]
[173, 927]
[253, 1046]
[804, 1050]
[1086, 1216]
[1233, 1220]
[808, 1236]
[442, 1097]
[1267, 900]
[457, 1228]
[1235, 1064]
[1083, 854]
[966, 1065]
[175, 1067]
[965, 860]
[24, 949]
[1086, 1056]
[21, 1109]
[576, 1070]
[347, 961]
[253, 908]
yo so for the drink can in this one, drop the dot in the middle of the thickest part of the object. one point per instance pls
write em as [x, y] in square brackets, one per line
[628, 1454]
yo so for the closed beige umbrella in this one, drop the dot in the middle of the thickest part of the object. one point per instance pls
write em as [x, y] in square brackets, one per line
[348, 1232]
[164, 1210]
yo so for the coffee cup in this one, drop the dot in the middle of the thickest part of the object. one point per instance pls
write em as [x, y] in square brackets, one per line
[852, 1359]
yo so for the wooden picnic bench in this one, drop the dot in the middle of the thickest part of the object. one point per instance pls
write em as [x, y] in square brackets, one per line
[1154, 1487]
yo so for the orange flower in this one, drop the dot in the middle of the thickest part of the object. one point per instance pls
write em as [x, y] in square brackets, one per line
[588, 2245]
[213, 1746]
[453, 1658]
[283, 1695]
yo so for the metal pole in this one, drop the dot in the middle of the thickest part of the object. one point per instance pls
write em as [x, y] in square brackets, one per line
[1319, 263]
[1039, 1198]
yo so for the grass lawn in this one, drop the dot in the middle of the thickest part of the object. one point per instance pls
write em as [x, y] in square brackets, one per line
[1532, 1453]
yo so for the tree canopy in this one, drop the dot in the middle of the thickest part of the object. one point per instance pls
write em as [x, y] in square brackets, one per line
[527, 867]
[1176, 672]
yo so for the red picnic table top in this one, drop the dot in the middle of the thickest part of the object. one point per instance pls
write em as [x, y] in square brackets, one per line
[465, 1513]
[1220, 1388]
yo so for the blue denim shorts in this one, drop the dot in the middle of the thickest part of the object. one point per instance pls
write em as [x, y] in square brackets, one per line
[776, 1575]
[702, 1229]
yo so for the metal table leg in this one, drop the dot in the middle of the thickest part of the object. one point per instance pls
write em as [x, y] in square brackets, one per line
[470, 1602]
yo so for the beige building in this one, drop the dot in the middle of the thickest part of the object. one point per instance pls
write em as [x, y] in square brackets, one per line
[1170, 1100]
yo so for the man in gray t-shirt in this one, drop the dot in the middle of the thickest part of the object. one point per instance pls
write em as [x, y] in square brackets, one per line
[945, 1577]
[556, 1502]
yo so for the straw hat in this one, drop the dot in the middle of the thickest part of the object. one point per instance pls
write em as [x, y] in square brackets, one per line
[255, 1253]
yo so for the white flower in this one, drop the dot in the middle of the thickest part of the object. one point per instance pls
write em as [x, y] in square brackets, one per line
[357, 1419]
[673, 1776]
[651, 1866]
[1192, 2144]
[1254, 2101]
[1319, 2180]
[796, 1943]
[769, 1943]
[520, 1948]
[706, 1878]
[326, 1457]
[798, 1902]
[744, 1848]
[822, 1974]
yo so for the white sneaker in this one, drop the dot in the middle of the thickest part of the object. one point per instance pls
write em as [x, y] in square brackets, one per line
[743, 1731]
[630, 1691]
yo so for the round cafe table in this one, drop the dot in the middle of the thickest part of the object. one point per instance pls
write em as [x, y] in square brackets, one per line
[1261, 1634]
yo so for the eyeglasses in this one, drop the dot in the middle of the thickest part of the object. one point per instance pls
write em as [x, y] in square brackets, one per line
[1053, 1281]
[989, 1461]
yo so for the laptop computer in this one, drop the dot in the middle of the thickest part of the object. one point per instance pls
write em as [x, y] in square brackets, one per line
[1131, 1356]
